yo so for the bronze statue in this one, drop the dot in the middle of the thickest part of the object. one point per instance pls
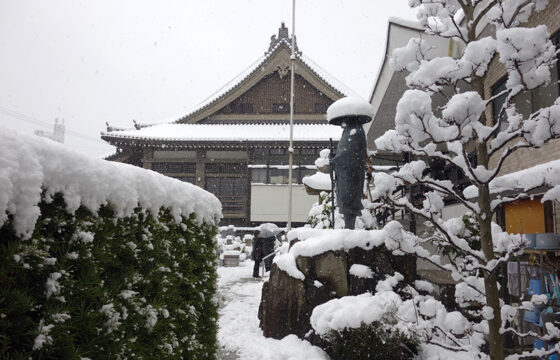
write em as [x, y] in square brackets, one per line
[349, 163]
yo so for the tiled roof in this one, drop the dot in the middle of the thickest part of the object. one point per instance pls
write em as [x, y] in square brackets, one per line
[230, 132]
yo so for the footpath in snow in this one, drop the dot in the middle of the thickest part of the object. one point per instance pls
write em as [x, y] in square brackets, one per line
[239, 335]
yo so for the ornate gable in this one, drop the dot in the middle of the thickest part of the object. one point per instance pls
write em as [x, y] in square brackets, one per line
[261, 93]
[271, 96]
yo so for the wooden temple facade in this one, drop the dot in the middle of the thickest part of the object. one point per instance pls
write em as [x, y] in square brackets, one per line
[235, 144]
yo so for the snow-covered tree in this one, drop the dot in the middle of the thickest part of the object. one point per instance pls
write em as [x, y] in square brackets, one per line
[460, 127]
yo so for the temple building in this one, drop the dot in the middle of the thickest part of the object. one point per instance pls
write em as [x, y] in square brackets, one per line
[235, 143]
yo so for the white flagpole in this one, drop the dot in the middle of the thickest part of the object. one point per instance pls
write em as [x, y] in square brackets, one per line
[291, 148]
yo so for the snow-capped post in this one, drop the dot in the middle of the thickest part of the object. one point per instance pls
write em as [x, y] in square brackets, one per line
[349, 163]
[455, 131]
[291, 148]
[331, 173]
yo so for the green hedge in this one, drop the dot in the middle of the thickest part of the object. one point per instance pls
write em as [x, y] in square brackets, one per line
[96, 286]
[373, 341]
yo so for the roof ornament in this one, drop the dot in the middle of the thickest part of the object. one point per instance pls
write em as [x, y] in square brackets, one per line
[283, 36]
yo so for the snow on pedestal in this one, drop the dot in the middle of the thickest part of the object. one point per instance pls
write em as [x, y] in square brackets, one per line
[318, 181]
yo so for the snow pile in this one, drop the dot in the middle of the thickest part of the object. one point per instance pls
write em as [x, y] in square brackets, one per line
[349, 106]
[323, 159]
[29, 165]
[547, 174]
[527, 54]
[353, 311]
[419, 316]
[239, 331]
[315, 241]
[361, 271]
[409, 56]
[318, 181]
[287, 262]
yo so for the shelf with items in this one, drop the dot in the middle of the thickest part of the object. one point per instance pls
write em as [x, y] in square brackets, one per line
[536, 272]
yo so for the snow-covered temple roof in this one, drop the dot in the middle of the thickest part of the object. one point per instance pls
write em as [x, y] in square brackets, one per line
[195, 127]
[229, 132]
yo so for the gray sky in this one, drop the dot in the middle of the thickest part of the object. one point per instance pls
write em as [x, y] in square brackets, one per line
[89, 62]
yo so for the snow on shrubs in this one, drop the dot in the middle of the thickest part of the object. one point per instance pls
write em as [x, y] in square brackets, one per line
[102, 260]
[396, 318]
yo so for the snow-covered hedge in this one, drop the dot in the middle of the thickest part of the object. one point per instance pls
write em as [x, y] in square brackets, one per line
[102, 260]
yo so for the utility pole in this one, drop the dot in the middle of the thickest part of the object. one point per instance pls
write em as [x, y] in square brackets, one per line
[291, 147]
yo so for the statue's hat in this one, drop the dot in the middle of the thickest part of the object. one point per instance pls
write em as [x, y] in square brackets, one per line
[351, 108]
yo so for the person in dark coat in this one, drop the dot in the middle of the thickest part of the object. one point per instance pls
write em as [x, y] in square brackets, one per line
[257, 253]
[349, 163]
[264, 242]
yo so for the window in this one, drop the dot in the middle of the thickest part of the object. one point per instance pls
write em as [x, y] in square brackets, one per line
[281, 108]
[498, 103]
[280, 176]
[308, 151]
[189, 179]
[259, 176]
[232, 192]
[239, 108]
[260, 152]
[159, 167]
[321, 108]
[545, 96]
[225, 168]
[277, 151]
[174, 167]
[227, 186]
[189, 167]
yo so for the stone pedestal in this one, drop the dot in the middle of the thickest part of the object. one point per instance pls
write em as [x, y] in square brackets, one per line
[287, 302]
[231, 260]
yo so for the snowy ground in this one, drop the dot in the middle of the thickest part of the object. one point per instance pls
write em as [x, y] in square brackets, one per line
[239, 335]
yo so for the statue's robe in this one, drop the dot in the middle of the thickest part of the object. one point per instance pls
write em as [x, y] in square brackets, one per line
[349, 167]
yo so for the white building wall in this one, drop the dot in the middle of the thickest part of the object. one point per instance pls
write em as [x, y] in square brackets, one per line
[397, 37]
[453, 211]
[269, 203]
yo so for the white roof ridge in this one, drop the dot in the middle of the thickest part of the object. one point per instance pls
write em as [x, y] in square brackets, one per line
[393, 20]
[413, 24]
[230, 132]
